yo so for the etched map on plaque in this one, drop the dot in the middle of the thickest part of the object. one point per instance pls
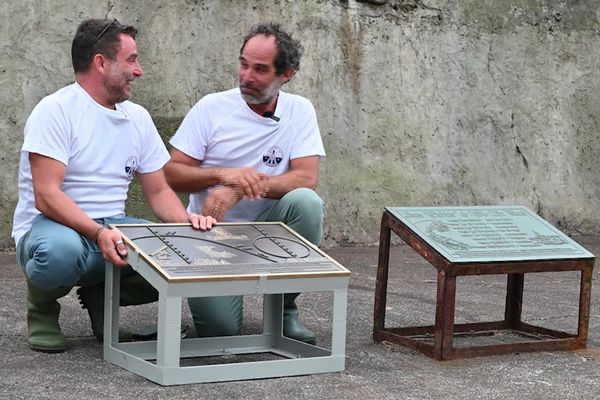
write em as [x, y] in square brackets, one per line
[243, 249]
[490, 233]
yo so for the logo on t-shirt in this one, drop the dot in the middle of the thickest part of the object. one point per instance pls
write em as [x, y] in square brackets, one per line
[130, 166]
[273, 156]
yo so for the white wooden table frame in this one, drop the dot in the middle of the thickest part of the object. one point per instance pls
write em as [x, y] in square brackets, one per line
[299, 358]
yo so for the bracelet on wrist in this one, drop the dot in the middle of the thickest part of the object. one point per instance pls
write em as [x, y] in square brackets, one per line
[98, 232]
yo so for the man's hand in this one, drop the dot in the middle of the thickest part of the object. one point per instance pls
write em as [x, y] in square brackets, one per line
[112, 247]
[220, 200]
[201, 222]
[251, 182]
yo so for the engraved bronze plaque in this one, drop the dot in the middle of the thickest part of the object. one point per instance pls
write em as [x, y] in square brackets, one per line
[488, 233]
[238, 250]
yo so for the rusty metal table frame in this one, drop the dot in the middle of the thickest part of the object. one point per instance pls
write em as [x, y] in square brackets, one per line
[444, 330]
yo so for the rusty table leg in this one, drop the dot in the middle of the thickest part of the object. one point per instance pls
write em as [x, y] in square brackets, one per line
[514, 300]
[585, 293]
[382, 278]
[444, 318]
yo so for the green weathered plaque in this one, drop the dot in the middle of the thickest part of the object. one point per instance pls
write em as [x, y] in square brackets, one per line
[489, 233]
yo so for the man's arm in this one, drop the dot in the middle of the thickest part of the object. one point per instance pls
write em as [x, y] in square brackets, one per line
[183, 175]
[47, 176]
[303, 173]
[165, 203]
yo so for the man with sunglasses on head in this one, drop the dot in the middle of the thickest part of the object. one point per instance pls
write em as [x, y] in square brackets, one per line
[83, 145]
[252, 154]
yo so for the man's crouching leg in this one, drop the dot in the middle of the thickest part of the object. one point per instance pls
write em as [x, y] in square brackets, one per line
[217, 316]
[135, 290]
[49, 255]
[302, 210]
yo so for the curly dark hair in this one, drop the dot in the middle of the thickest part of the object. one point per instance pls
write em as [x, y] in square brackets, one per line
[289, 50]
[95, 36]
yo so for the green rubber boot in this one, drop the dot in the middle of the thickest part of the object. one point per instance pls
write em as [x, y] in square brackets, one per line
[44, 332]
[292, 327]
[135, 290]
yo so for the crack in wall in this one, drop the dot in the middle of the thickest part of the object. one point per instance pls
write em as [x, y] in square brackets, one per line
[512, 130]
[110, 5]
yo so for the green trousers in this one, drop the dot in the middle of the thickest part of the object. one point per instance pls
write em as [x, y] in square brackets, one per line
[301, 210]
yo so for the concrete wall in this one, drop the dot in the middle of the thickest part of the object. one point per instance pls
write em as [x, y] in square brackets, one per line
[420, 102]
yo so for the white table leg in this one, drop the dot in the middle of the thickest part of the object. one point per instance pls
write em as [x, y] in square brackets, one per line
[112, 294]
[169, 331]
[338, 334]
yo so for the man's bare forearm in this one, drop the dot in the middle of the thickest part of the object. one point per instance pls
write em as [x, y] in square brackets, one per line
[189, 179]
[59, 207]
[279, 186]
[303, 173]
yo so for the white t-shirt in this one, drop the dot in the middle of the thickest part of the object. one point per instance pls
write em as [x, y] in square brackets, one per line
[101, 149]
[222, 131]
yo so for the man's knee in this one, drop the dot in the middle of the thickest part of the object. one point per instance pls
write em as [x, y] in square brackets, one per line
[306, 202]
[217, 316]
[55, 262]
[304, 213]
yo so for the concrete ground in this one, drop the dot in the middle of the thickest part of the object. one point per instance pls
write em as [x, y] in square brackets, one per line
[373, 370]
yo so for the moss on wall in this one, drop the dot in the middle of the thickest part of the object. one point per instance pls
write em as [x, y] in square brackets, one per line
[552, 15]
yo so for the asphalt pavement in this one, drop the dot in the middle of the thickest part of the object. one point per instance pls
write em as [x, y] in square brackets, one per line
[373, 370]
